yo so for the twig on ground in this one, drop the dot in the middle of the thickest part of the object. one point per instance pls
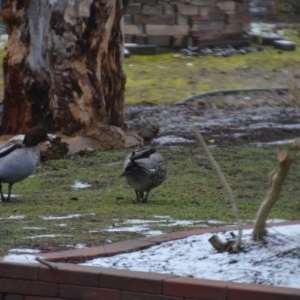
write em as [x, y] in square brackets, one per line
[46, 263]
[225, 184]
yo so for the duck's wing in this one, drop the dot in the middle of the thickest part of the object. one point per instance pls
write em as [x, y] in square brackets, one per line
[142, 167]
[8, 148]
[145, 153]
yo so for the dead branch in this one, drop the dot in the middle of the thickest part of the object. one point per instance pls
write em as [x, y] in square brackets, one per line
[46, 263]
[219, 245]
[225, 184]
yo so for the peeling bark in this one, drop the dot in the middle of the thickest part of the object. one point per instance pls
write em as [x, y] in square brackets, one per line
[63, 68]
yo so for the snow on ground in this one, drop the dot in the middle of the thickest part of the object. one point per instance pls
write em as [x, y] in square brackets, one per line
[66, 217]
[80, 185]
[273, 262]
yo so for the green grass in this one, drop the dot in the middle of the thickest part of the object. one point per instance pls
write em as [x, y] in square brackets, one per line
[168, 78]
[191, 192]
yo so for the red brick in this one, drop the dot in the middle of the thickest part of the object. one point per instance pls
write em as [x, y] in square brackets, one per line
[21, 271]
[77, 255]
[140, 296]
[196, 288]
[143, 282]
[71, 274]
[82, 293]
[13, 297]
[28, 287]
[52, 256]
[126, 246]
[239, 291]
[40, 298]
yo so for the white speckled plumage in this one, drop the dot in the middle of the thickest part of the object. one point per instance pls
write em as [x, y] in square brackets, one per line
[144, 170]
[17, 162]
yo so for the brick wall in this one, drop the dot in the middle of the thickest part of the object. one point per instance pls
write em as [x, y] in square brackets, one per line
[186, 22]
[70, 281]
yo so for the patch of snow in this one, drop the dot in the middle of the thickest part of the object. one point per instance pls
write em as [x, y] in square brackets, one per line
[34, 228]
[143, 226]
[282, 142]
[19, 250]
[141, 229]
[171, 139]
[80, 185]
[20, 258]
[77, 246]
[137, 221]
[270, 221]
[161, 217]
[274, 262]
[16, 217]
[46, 236]
[62, 225]
[270, 125]
[215, 222]
[66, 217]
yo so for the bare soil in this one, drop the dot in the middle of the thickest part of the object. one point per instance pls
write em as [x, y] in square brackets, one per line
[252, 117]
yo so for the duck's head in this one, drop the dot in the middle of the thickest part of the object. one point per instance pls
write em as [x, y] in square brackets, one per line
[34, 136]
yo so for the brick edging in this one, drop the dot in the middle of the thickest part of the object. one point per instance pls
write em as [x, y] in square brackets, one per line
[71, 281]
[81, 255]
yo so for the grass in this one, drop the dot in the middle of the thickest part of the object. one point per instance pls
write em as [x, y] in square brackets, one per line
[191, 192]
[168, 78]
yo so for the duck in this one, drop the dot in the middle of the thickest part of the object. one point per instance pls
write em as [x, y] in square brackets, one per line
[144, 170]
[18, 161]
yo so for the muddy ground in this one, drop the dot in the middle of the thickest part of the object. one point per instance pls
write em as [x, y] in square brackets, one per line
[252, 117]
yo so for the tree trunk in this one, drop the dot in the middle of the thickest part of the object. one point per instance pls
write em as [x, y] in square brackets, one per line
[63, 68]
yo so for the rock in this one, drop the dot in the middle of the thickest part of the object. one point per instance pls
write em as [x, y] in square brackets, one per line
[79, 144]
[143, 128]
[133, 140]
[105, 136]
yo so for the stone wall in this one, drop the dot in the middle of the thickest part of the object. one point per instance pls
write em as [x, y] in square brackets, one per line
[187, 22]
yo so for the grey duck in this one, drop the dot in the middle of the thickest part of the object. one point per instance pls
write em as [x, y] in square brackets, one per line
[144, 170]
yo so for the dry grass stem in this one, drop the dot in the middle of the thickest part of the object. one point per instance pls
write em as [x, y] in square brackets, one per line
[225, 184]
